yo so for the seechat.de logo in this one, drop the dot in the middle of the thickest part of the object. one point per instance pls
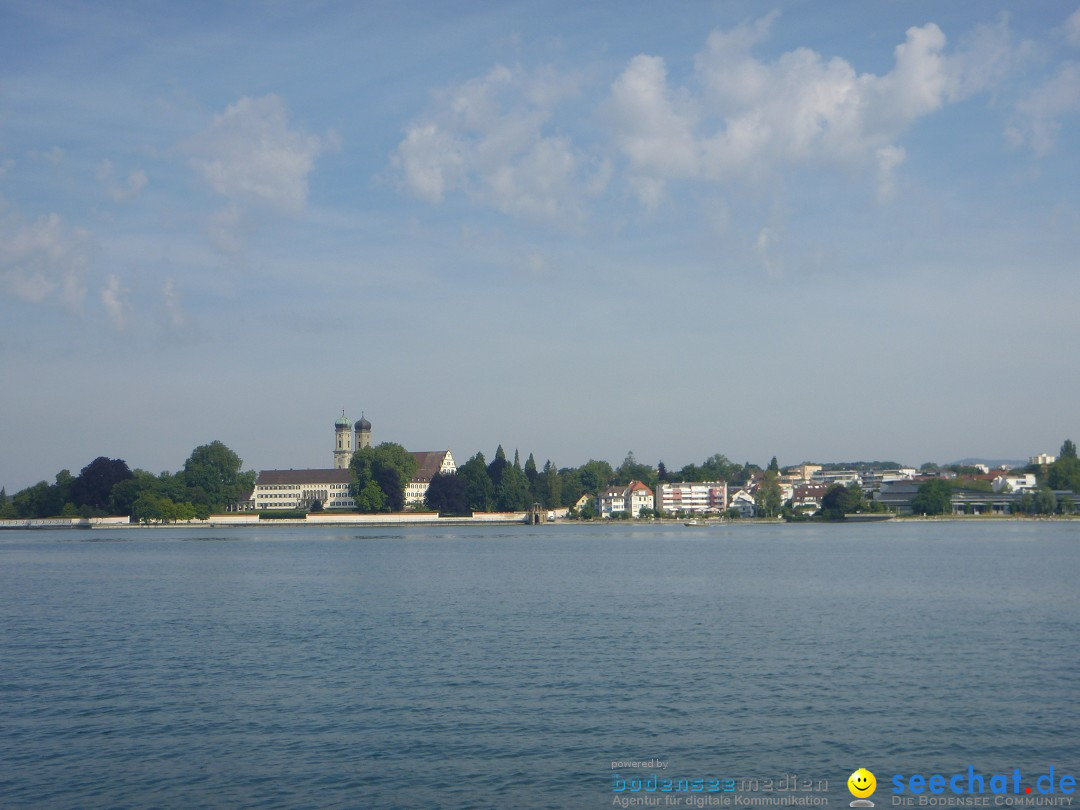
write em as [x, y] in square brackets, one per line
[862, 785]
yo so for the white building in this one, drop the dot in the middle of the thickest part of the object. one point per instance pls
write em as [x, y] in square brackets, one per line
[1015, 483]
[332, 488]
[743, 503]
[692, 496]
[631, 498]
[429, 463]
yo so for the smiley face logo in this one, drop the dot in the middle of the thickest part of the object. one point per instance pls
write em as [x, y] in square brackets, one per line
[861, 783]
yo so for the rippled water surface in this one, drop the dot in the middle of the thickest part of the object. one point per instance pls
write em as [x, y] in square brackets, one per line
[509, 667]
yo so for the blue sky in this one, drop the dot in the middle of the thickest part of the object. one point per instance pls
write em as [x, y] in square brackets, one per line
[816, 231]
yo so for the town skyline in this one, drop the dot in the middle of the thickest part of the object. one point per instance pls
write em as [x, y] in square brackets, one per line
[761, 230]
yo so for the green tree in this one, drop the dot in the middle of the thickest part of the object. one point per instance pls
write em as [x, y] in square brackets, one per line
[7, 509]
[774, 465]
[380, 475]
[770, 499]
[595, 476]
[213, 477]
[479, 491]
[1065, 472]
[570, 483]
[497, 466]
[934, 497]
[836, 502]
[94, 485]
[447, 495]
[632, 470]
[1044, 501]
[512, 494]
[531, 471]
[548, 487]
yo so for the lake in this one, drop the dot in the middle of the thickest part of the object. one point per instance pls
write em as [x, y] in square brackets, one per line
[512, 666]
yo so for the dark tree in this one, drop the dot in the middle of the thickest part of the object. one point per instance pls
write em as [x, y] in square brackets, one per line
[531, 470]
[479, 490]
[661, 472]
[497, 466]
[389, 480]
[934, 497]
[836, 502]
[94, 484]
[447, 495]
[1068, 449]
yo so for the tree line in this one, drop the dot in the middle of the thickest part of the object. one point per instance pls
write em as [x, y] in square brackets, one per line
[211, 478]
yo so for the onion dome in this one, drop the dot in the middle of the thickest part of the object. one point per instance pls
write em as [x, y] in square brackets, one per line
[363, 425]
[342, 423]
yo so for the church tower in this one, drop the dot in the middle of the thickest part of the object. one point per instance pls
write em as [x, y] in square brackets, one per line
[363, 433]
[343, 443]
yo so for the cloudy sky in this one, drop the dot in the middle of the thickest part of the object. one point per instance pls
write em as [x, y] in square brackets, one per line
[821, 231]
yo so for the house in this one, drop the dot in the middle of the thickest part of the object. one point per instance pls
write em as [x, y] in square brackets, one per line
[429, 463]
[631, 499]
[743, 503]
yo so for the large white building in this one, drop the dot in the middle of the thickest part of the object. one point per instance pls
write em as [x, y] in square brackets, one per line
[332, 488]
[691, 496]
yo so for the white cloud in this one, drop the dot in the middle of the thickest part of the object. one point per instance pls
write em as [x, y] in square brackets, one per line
[43, 260]
[120, 192]
[114, 298]
[489, 138]
[249, 152]
[1039, 114]
[750, 116]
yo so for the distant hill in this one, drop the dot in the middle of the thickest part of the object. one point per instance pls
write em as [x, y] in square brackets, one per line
[992, 463]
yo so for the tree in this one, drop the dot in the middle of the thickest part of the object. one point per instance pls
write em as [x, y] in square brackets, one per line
[1044, 501]
[1065, 472]
[572, 488]
[770, 498]
[512, 494]
[548, 488]
[774, 465]
[631, 470]
[836, 502]
[94, 485]
[934, 497]
[497, 466]
[531, 471]
[7, 509]
[447, 495]
[595, 476]
[479, 491]
[380, 474]
[213, 477]
[661, 472]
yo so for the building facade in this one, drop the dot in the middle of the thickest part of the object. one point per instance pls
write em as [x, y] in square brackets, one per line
[692, 496]
[332, 488]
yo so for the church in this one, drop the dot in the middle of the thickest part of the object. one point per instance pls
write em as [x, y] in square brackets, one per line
[332, 488]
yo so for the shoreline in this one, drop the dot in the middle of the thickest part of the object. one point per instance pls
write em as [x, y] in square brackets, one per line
[355, 520]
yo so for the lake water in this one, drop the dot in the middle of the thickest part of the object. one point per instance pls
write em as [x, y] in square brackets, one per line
[510, 667]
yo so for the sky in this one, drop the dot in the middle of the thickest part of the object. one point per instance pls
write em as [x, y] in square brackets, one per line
[815, 231]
